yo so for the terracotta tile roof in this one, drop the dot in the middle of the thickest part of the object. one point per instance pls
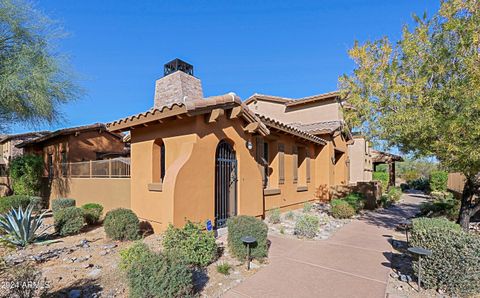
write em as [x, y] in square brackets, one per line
[319, 127]
[273, 123]
[190, 108]
[289, 102]
[66, 131]
[23, 136]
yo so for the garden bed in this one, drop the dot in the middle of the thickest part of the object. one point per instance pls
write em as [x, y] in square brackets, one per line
[286, 227]
[87, 264]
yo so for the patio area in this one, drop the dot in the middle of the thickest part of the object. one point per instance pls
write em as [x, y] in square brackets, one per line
[354, 262]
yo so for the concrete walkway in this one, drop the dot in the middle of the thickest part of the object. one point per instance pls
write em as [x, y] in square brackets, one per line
[354, 262]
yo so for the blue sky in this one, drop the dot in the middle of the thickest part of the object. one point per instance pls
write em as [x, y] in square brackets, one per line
[286, 48]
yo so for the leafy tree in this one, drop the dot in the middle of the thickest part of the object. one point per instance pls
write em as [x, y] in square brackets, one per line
[34, 80]
[422, 93]
[26, 174]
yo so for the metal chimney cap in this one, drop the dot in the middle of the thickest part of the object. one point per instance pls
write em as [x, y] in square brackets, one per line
[175, 65]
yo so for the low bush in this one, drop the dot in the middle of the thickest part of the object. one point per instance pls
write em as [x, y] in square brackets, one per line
[122, 224]
[394, 194]
[274, 216]
[155, 275]
[68, 221]
[341, 209]
[453, 265]
[307, 226]
[449, 208]
[385, 202]
[224, 268]
[93, 212]
[14, 202]
[438, 180]
[441, 195]
[191, 243]
[240, 226]
[132, 254]
[355, 200]
[62, 203]
[307, 207]
[290, 215]
[383, 178]
[37, 202]
[421, 184]
[24, 281]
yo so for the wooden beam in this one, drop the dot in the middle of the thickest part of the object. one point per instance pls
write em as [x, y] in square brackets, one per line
[252, 127]
[214, 115]
[236, 112]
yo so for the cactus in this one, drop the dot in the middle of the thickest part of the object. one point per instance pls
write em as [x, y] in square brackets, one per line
[20, 226]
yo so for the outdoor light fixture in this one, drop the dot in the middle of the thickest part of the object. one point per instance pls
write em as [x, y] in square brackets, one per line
[249, 145]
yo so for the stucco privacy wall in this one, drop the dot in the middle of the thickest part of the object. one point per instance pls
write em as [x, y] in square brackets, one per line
[188, 189]
[111, 193]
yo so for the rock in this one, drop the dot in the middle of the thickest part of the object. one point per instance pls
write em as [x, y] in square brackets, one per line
[109, 246]
[403, 278]
[87, 266]
[95, 273]
[409, 278]
[104, 253]
[254, 265]
[85, 258]
[74, 294]
[393, 275]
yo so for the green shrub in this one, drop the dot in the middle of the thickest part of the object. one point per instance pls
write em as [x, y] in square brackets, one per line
[307, 207]
[224, 268]
[68, 221]
[394, 194]
[191, 243]
[240, 226]
[37, 202]
[26, 174]
[307, 226]
[341, 209]
[385, 202]
[274, 216]
[441, 195]
[290, 215]
[122, 224]
[62, 203]
[449, 208]
[92, 212]
[383, 178]
[355, 200]
[156, 275]
[438, 180]
[132, 254]
[421, 184]
[453, 265]
[411, 175]
[13, 202]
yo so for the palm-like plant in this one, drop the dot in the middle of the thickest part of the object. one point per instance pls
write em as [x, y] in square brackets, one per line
[21, 226]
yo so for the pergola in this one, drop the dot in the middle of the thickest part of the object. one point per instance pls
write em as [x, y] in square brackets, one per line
[380, 157]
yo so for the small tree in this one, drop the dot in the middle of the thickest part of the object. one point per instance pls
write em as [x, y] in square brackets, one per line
[422, 93]
[34, 80]
[26, 174]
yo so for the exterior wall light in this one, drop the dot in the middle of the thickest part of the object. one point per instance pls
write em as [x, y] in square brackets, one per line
[249, 145]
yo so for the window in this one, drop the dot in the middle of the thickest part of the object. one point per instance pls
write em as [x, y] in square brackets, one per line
[266, 157]
[281, 163]
[64, 164]
[50, 165]
[295, 164]
[158, 161]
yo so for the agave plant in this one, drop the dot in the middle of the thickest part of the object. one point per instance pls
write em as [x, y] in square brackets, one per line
[20, 226]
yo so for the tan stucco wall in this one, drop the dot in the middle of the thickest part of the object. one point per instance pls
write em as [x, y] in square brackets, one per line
[292, 194]
[189, 183]
[111, 193]
[307, 113]
[360, 160]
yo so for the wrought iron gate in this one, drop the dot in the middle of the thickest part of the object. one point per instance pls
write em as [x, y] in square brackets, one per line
[225, 184]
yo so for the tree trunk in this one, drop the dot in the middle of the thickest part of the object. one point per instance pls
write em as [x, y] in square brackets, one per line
[466, 204]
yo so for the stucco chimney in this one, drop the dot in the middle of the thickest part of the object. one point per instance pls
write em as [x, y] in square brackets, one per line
[178, 84]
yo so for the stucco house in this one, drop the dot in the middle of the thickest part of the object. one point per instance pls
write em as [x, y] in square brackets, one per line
[209, 158]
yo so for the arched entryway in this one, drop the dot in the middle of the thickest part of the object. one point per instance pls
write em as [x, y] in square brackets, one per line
[225, 183]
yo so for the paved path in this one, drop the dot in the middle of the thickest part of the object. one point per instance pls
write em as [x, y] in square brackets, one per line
[354, 262]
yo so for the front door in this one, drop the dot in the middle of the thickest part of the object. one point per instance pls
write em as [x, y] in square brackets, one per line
[225, 184]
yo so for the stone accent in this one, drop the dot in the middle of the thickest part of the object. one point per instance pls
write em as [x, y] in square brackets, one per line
[177, 87]
[372, 191]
